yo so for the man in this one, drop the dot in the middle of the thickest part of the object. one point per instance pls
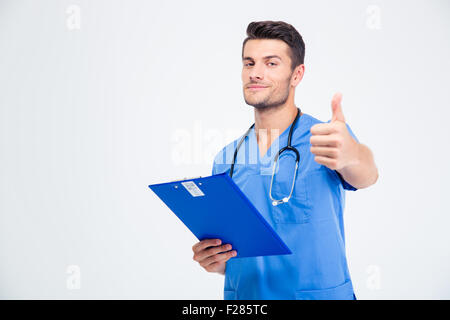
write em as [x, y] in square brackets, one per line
[331, 161]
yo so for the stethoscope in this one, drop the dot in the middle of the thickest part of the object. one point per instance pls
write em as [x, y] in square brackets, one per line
[288, 147]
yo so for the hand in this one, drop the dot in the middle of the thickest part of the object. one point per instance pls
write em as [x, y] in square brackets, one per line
[211, 255]
[331, 143]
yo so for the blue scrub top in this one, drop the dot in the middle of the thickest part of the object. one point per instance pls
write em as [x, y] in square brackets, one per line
[310, 223]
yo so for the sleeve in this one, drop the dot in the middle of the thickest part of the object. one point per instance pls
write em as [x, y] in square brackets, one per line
[217, 160]
[213, 171]
[345, 184]
[351, 132]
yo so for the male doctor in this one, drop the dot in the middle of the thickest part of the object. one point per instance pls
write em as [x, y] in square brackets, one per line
[331, 160]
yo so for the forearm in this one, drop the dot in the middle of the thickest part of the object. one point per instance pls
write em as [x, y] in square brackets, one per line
[363, 173]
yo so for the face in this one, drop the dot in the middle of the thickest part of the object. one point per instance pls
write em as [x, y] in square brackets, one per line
[267, 65]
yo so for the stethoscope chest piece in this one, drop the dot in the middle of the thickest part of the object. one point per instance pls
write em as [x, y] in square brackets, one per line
[277, 202]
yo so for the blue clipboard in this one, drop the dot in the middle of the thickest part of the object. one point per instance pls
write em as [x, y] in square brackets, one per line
[214, 207]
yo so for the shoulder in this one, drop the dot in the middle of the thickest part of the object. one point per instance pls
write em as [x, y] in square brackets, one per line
[312, 120]
[302, 130]
[224, 157]
[226, 153]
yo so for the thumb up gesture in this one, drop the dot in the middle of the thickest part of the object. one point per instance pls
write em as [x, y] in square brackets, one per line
[331, 143]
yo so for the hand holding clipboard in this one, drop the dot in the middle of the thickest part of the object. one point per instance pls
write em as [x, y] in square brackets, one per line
[214, 207]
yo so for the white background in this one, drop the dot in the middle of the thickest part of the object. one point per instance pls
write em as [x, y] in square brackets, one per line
[99, 99]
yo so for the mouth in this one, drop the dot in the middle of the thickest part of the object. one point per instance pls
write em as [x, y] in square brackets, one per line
[256, 88]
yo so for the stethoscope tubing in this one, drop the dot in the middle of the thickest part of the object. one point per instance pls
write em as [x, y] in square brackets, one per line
[287, 147]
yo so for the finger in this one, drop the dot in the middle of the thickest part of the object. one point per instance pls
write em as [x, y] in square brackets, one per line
[218, 258]
[336, 108]
[324, 140]
[199, 246]
[323, 128]
[206, 253]
[325, 151]
[330, 163]
[214, 267]
[200, 256]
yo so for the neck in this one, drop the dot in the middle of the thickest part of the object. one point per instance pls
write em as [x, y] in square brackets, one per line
[274, 121]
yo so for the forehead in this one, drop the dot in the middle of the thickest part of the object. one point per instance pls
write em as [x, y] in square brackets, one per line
[258, 48]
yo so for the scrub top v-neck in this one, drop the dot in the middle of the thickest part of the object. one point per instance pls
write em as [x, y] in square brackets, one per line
[267, 159]
[310, 223]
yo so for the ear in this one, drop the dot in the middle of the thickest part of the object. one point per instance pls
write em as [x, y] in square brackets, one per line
[297, 75]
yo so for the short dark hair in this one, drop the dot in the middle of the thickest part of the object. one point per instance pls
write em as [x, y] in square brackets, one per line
[282, 31]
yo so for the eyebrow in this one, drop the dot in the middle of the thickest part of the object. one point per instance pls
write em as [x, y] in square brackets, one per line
[265, 58]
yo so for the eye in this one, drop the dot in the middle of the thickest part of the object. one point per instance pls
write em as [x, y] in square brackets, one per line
[247, 64]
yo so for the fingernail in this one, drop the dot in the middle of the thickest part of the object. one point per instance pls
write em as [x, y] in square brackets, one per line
[234, 253]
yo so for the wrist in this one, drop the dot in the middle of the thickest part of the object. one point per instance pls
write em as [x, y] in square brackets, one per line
[355, 158]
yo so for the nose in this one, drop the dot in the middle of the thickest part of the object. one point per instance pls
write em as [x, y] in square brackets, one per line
[256, 73]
